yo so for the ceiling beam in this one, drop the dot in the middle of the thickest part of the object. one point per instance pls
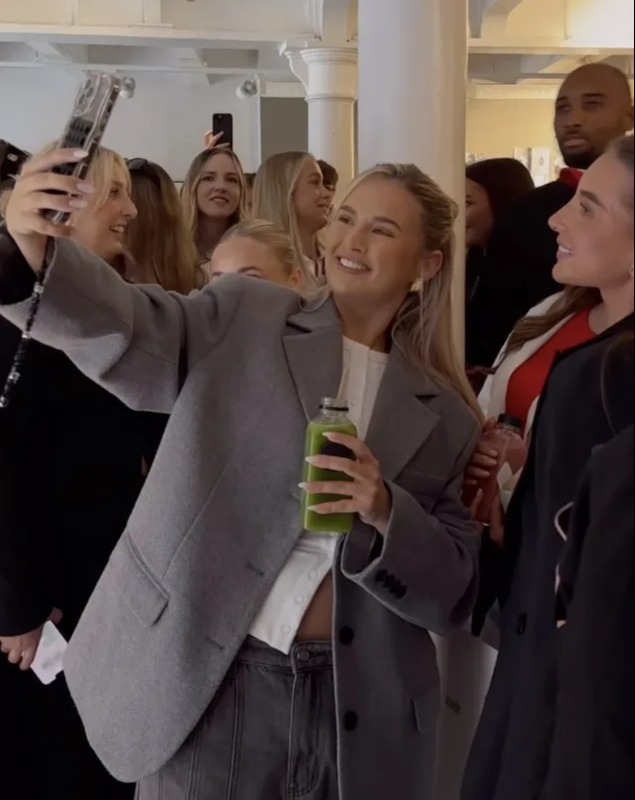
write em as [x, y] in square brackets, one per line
[491, 15]
[147, 36]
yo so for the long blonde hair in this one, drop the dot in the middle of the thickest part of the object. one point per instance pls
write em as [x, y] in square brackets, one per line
[422, 328]
[270, 235]
[273, 197]
[158, 240]
[190, 188]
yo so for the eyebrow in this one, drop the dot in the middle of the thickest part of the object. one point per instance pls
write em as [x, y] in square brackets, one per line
[385, 220]
[586, 96]
[593, 198]
[241, 271]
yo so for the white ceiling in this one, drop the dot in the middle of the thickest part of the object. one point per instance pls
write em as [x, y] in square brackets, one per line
[518, 48]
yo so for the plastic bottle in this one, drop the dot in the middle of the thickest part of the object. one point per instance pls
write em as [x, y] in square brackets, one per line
[333, 418]
[507, 441]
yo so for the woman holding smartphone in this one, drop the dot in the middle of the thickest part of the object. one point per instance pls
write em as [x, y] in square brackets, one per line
[225, 652]
[70, 473]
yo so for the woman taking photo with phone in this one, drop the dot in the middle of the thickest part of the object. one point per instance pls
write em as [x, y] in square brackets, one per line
[225, 651]
[70, 474]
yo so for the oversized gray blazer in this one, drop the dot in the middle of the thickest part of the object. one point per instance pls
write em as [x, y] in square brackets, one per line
[241, 369]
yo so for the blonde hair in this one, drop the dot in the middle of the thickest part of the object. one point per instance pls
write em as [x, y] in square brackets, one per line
[158, 240]
[273, 200]
[270, 235]
[422, 328]
[190, 187]
[105, 167]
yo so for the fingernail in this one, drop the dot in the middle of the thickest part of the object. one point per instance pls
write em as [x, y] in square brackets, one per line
[81, 153]
[303, 486]
[84, 187]
[329, 436]
[77, 203]
[312, 460]
[315, 509]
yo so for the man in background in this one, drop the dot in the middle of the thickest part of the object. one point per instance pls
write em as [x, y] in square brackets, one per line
[593, 108]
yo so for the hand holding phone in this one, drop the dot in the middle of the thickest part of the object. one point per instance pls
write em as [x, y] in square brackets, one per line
[86, 126]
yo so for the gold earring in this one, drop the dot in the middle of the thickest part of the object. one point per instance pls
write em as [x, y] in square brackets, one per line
[417, 286]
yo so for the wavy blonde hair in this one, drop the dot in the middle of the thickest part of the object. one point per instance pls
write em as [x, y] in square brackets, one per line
[190, 187]
[273, 197]
[158, 240]
[272, 236]
[422, 328]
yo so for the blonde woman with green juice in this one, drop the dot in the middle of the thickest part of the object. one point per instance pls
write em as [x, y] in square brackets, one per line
[229, 653]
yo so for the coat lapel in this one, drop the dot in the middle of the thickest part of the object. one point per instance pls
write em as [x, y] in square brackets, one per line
[313, 346]
[402, 420]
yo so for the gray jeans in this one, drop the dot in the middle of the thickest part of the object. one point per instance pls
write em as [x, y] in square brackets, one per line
[269, 734]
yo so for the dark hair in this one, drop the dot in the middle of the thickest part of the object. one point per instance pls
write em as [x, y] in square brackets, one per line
[574, 298]
[504, 180]
[329, 173]
[622, 148]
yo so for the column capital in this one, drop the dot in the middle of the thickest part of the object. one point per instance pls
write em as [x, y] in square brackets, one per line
[332, 56]
[328, 73]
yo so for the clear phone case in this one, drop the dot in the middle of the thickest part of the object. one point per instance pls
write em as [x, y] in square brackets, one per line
[84, 131]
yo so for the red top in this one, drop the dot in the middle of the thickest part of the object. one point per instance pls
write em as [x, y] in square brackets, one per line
[527, 382]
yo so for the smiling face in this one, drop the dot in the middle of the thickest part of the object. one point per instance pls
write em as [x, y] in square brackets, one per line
[103, 229]
[375, 249]
[312, 201]
[245, 256]
[219, 189]
[595, 230]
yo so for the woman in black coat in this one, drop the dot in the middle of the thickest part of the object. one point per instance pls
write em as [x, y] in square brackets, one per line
[589, 398]
[71, 469]
[593, 742]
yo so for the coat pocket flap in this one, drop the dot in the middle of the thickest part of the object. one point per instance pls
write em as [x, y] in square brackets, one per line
[140, 589]
[426, 707]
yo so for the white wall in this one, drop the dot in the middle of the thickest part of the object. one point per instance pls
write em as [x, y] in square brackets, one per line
[496, 127]
[164, 122]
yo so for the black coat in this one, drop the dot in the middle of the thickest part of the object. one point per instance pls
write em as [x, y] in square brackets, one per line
[516, 272]
[588, 398]
[70, 474]
[592, 748]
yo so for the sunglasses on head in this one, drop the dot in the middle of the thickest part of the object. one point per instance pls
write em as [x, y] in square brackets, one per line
[143, 167]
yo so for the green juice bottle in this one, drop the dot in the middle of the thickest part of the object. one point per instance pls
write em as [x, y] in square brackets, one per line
[332, 419]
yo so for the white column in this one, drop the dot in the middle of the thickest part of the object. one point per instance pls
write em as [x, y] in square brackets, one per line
[412, 97]
[329, 75]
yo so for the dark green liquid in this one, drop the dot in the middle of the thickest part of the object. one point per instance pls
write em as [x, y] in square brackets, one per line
[316, 444]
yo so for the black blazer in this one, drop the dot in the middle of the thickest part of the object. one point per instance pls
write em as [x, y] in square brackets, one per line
[589, 397]
[594, 721]
[70, 474]
[515, 273]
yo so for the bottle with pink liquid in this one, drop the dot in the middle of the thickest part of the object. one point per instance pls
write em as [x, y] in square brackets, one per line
[507, 441]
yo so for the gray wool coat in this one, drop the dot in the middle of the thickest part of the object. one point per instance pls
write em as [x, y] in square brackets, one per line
[241, 368]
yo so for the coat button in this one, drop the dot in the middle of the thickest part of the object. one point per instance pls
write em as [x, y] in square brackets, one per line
[347, 635]
[521, 627]
[351, 721]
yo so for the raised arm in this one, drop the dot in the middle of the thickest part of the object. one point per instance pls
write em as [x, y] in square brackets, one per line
[138, 342]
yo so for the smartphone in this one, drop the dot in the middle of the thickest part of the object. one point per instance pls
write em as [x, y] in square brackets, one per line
[12, 159]
[85, 129]
[224, 123]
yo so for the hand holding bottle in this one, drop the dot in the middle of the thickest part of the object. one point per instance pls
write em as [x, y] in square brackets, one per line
[365, 494]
